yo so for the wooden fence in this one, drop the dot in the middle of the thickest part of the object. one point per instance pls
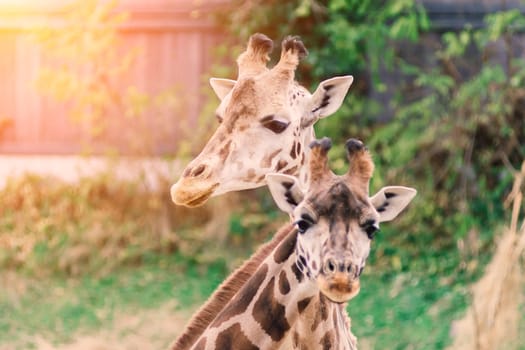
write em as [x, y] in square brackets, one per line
[175, 40]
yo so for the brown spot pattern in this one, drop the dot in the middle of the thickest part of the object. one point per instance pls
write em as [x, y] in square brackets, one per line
[327, 341]
[270, 314]
[284, 285]
[285, 249]
[238, 305]
[234, 338]
[266, 162]
[281, 164]
[251, 174]
[293, 153]
[303, 304]
[298, 274]
[292, 170]
[336, 325]
[322, 314]
[225, 151]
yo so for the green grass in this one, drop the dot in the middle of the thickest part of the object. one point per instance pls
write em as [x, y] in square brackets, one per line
[405, 311]
[392, 311]
[60, 308]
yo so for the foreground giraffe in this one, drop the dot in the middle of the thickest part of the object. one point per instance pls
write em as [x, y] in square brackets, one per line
[301, 280]
[266, 124]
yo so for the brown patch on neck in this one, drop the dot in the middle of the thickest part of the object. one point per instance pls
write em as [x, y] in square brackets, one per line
[270, 314]
[225, 292]
[302, 304]
[328, 340]
[322, 312]
[234, 338]
[238, 305]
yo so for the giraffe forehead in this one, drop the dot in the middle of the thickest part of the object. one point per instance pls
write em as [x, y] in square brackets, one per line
[338, 201]
[261, 95]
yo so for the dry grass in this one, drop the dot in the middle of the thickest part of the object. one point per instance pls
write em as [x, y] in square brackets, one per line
[47, 225]
[493, 319]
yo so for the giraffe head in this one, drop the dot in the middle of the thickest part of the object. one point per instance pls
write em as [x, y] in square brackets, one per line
[265, 123]
[335, 217]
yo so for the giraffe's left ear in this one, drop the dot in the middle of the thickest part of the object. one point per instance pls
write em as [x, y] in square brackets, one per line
[285, 190]
[328, 98]
[221, 87]
[391, 200]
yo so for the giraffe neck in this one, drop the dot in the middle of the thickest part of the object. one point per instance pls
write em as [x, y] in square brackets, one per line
[224, 293]
[308, 137]
[278, 308]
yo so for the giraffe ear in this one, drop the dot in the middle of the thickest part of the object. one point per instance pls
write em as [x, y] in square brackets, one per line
[328, 97]
[285, 190]
[221, 87]
[391, 200]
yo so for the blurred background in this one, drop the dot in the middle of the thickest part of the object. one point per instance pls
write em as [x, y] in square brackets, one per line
[102, 103]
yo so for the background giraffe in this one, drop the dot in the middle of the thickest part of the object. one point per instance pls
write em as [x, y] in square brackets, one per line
[301, 280]
[266, 123]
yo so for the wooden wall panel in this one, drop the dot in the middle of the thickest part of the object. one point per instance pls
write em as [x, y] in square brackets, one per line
[174, 39]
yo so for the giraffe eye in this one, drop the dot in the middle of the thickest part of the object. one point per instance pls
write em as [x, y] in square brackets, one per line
[371, 227]
[303, 225]
[277, 126]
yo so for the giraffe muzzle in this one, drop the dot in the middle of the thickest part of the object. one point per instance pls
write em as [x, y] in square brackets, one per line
[338, 282]
[192, 193]
[338, 287]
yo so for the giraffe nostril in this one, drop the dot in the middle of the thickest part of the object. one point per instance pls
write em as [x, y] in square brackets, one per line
[330, 266]
[198, 170]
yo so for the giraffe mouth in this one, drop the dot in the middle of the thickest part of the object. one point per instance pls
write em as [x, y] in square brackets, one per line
[191, 196]
[338, 289]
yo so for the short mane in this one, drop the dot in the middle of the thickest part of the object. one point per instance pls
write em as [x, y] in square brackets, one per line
[225, 292]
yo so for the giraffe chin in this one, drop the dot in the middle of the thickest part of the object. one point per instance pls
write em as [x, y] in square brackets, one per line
[191, 196]
[338, 291]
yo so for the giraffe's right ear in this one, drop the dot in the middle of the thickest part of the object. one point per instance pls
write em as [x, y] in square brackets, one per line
[327, 98]
[285, 190]
[391, 200]
[221, 87]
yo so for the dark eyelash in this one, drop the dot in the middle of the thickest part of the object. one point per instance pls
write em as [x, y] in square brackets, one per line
[304, 223]
[276, 126]
[371, 228]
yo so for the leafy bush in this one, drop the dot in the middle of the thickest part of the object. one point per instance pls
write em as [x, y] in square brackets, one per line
[453, 123]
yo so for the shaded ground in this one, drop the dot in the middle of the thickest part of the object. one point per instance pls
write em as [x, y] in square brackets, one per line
[146, 329]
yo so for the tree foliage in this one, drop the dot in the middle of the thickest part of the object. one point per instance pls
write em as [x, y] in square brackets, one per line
[444, 113]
